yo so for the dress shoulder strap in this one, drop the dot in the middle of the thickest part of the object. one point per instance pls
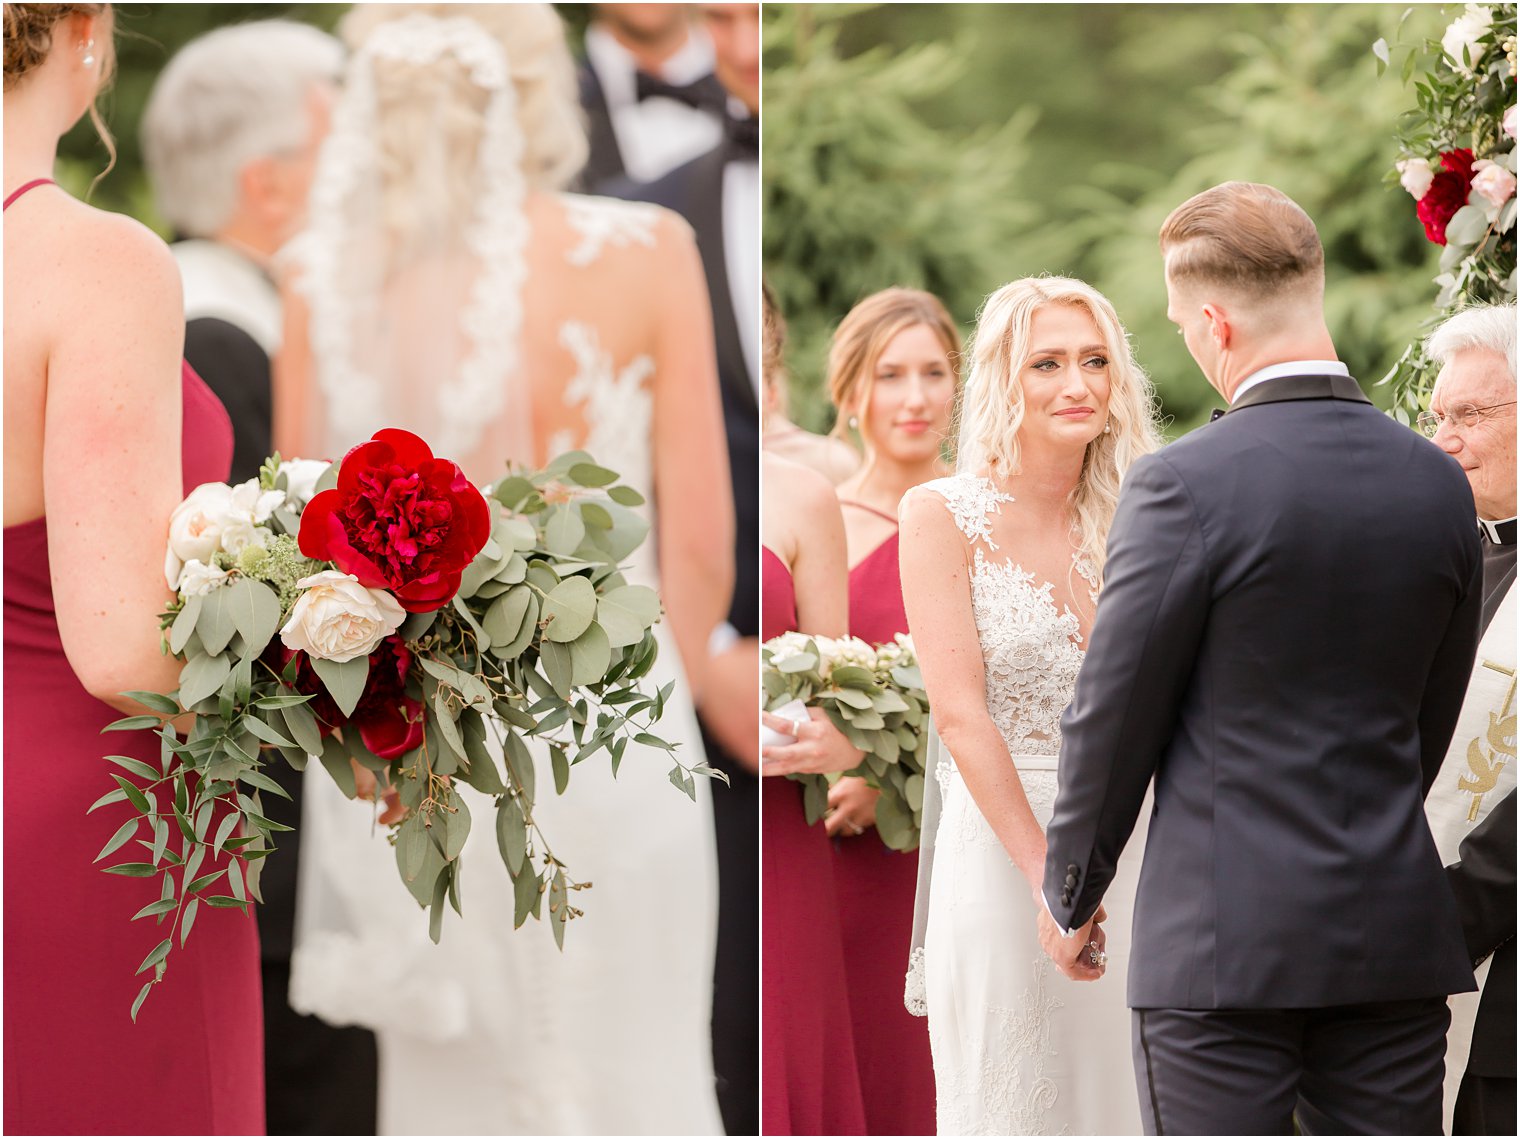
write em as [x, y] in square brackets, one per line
[892, 518]
[972, 501]
[23, 188]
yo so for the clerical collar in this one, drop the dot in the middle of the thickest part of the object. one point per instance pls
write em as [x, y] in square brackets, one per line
[1500, 533]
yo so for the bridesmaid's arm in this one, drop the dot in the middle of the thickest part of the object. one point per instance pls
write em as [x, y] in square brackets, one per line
[802, 519]
[695, 508]
[937, 596]
[112, 445]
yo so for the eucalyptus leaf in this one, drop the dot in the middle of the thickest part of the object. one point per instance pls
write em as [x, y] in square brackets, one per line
[335, 759]
[565, 529]
[301, 724]
[511, 834]
[119, 839]
[255, 611]
[456, 826]
[343, 680]
[589, 474]
[202, 677]
[559, 667]
[569, 609]
[216, 624]
[411, 847]
[590, 655]
[625, 613]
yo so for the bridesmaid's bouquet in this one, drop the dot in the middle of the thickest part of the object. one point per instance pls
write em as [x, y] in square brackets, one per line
[385, 616]
[875, 696]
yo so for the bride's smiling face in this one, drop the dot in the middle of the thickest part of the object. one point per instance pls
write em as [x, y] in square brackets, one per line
[1065, 377]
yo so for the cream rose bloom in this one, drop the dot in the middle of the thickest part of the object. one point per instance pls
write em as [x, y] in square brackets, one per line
[338, 619]
[1494, 184]
[1415, 175]
[195, 528]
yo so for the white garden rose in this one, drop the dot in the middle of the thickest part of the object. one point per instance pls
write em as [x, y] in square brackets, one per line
[1509, 122]
[195, 528]
[1494, 184]
[301, 477]
[1464, 33]
[198, 579]
[338, 619]
[1415, 175]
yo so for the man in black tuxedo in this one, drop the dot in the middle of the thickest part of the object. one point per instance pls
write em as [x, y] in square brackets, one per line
[719, 194]
[647, 86]
[230, 137]
[1289, 614]
[1472, 419]
[1484, 883]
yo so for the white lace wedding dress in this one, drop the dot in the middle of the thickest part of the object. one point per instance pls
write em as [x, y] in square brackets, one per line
[535, 324]
[1018, 1048]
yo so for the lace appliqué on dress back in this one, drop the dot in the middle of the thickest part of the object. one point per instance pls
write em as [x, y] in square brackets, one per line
[607, 221]
[616, 404]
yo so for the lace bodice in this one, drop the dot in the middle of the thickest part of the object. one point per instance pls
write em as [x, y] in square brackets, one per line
[1031, 650]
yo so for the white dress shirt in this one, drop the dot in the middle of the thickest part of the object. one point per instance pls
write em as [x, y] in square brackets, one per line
[656, 135]
[1291, 368]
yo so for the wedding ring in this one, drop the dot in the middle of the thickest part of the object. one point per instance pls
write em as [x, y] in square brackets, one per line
[1095, 956]
[855, 828]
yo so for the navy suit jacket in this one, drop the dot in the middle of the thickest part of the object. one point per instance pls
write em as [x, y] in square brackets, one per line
[1284, 638]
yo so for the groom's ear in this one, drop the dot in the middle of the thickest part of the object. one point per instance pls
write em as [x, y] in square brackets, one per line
[1219, 325]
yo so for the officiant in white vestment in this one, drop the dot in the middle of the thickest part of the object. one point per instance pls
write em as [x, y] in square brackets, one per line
[1472, 418]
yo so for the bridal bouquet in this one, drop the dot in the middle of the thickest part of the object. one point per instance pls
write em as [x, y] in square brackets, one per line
[385, 616]
[875, 696]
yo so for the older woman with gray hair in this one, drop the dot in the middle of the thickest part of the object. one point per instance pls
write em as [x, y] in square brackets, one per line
[230, 137]
[1470, 807]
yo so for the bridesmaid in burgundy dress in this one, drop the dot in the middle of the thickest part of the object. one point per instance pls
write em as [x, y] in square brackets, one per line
[892, 376]
[810, 1085]
[104, 430]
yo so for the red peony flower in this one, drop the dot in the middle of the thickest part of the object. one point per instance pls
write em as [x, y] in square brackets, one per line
[1447, 194]
[400, 520]
[388, 720]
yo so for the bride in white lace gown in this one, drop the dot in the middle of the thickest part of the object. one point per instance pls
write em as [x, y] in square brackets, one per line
[445, 286]
[1001, 565]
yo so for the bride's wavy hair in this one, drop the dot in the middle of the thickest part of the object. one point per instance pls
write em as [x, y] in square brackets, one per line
[431, 117]
[992, 401]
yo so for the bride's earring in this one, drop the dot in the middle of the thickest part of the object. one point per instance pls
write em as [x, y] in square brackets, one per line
[89, 53]
[1108, 427]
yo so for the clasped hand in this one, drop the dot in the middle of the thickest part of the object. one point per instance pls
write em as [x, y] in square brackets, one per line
[820, 747]
[1073, 955]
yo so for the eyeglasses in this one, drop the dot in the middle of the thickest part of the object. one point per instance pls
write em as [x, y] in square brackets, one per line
[1463, 415]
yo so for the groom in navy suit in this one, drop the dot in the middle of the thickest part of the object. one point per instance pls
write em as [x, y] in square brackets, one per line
[1283, 642]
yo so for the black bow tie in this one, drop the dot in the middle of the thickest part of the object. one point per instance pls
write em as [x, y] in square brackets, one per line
[704, 94]
[1217, 413]
[741, 138]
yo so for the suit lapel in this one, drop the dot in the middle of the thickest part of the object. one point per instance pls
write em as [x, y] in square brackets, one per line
[706, 216]
[607, 157]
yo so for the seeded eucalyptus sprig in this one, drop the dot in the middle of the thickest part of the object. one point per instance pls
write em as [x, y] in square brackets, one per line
[545, 639]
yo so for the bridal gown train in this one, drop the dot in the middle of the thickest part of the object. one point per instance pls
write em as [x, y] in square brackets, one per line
[1018, 1048]
[495, 1031]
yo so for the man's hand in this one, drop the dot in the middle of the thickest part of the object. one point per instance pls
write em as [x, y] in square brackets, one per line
[731, 701]
[852, 807]
[820, 747]
[1072, 955]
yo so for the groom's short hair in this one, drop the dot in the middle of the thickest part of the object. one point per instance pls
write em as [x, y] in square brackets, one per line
[1245, 236]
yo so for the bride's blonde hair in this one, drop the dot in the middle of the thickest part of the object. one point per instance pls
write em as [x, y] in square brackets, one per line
[430, 117]
[992, 402]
